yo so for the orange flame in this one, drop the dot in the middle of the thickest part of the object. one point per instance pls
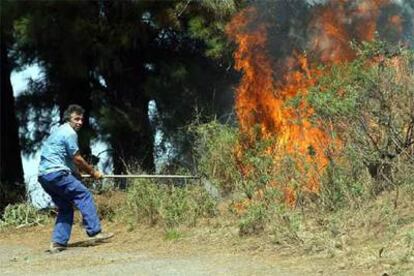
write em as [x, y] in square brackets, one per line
[262, 101]
[337, 23]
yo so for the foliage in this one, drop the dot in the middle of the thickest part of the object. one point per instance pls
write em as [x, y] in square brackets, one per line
[212, 32]
[11, 170]
[167, 205]
[144, 201]
[114, 58]
[409, 240]
[172, 234]
[256, 200]
[343, 187]
[253, 221]
[214, 151]
[109, 203]
[22, 215]
[368, 104]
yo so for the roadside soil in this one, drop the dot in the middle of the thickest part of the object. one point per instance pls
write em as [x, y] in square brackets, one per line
[146, 251]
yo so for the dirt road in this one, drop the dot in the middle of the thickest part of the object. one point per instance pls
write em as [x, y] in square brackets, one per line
[144, 251]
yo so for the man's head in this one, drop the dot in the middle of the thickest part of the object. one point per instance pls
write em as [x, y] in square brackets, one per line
[74, 116]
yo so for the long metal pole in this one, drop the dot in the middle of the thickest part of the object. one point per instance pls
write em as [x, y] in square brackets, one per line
[144, 176]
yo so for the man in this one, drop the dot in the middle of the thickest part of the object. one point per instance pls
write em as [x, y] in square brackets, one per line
[59, 163]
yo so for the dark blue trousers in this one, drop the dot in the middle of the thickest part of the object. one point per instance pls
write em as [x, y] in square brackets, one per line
[67, 192]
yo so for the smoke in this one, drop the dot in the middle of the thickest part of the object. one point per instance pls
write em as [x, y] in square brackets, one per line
[324, 29]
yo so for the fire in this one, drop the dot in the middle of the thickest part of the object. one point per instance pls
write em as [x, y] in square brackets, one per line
[336, 24]
[330, 37]
[263, 102]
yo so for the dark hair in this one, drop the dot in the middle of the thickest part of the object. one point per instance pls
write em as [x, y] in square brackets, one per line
[73, 108]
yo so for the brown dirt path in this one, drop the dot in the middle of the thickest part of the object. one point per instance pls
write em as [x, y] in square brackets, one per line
[145, 251]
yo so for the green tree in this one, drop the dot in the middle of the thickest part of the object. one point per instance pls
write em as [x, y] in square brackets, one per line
[160, 57]
[56, 36]
[114, 58]
[11, 186]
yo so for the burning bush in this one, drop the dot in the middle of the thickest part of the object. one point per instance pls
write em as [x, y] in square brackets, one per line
[280, 63]
[369, 105]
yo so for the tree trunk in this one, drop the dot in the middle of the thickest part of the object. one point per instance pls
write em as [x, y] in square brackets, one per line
[12, 187]
[133, 146]
[124, 71]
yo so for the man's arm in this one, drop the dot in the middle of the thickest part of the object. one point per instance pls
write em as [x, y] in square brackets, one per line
[84, 166]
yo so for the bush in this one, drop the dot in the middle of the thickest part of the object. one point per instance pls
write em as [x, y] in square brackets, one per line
[22, 215]
[177, 207]
[215, 154]
[344, 184]
[110, 203]
[285, 226]
[368, 104]
[253, 220]
[144, 201]
[168, 205]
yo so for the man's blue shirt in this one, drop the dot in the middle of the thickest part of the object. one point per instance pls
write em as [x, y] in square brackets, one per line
[58, 150]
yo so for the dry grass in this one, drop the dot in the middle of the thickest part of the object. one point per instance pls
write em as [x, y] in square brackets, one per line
[370, 240]
[110, 203]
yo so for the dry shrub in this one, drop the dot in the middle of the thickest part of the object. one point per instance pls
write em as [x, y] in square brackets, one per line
[214, 152]
[110, 203]
[22, 214]
[168, 205]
